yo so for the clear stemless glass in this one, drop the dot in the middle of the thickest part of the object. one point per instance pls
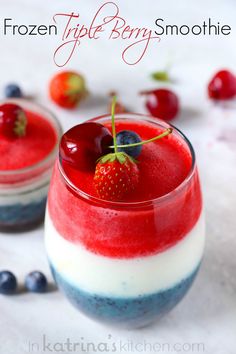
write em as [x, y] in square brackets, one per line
[23, 192]
[114, 282]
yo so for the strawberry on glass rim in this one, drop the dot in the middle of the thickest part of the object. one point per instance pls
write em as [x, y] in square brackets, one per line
[13, 120]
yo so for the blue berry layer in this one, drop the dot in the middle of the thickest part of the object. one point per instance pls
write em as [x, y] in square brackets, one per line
[128, 312]
[19, 217]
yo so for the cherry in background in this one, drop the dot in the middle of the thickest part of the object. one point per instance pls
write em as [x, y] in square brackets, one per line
[162, 103]
[222, 86]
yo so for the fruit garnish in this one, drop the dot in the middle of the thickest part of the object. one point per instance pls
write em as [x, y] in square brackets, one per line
[117, 173]
[162, 76]
[13, 120]
[13, 91]
[83, 144]
[67, 89]
[222, 86]
[162, 103]
[115, 176]
[128, 137]
[165, 133]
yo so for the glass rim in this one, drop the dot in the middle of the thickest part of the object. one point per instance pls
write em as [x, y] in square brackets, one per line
[144, 203]
[48, 157]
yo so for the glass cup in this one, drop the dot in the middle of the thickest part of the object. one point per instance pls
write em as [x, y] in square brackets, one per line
[23, 192]
[105, 281]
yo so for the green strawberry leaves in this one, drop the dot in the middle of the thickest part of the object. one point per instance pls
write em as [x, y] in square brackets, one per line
[122, 157]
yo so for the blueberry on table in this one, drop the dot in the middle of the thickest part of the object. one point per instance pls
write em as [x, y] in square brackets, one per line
[8, 282]
[36, 282]
[127, 137]
[13, 91]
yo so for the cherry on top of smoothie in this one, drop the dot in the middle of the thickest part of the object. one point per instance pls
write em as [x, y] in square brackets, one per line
[21, 152]
[163, 164]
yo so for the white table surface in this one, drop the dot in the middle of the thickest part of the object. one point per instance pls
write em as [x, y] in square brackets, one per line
[208, 313]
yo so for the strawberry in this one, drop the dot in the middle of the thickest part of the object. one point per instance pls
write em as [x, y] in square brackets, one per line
[13, 120]
[116, 175]
[67, 89]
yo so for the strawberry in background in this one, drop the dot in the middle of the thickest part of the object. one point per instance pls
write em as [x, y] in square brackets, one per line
[67, 89]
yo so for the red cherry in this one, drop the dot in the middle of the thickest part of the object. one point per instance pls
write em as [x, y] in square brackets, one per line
[83, 144]
[162, 103]
[12, 120]
[222, 86]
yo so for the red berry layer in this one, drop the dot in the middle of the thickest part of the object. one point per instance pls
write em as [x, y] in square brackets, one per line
[38, 142]
[127, 232]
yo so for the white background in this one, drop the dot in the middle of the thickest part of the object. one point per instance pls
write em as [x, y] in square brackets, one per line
[208, 313]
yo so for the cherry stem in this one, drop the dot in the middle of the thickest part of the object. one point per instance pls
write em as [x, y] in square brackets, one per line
[113, 122]
[162, 135]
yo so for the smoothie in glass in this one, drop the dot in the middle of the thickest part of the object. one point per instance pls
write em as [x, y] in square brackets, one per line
[128, 262]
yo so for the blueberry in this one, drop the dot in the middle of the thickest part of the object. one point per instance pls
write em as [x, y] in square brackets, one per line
[128, 137]
[13, 91]
[8, 282]
[36, 282]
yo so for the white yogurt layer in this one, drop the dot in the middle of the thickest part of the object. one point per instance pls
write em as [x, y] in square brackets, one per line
[33, 191]
[124, 277]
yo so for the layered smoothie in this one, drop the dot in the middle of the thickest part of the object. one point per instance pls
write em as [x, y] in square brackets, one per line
[25, 166]
[131, 261]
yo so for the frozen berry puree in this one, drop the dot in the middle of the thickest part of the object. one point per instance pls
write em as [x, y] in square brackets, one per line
[35, 145]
